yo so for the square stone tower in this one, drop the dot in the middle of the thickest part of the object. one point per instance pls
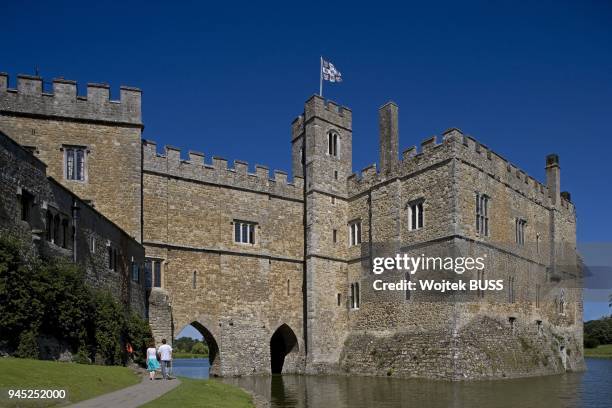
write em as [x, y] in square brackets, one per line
[322, 154]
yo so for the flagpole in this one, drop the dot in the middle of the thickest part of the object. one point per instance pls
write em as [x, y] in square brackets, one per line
[321, 78]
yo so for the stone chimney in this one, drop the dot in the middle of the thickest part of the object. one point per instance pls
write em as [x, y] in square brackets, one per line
[553, 178]
[389, 136]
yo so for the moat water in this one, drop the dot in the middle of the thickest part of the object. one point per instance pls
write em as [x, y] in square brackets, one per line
[591, 389]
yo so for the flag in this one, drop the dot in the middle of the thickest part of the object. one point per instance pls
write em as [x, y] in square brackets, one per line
[330, 73]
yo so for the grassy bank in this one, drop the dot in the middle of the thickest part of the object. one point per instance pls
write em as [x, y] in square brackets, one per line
[80, 381]
[203, 393]
[601, 351]
[179, 354]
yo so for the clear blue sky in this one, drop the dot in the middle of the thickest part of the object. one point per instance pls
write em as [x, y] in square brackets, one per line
[526, 78]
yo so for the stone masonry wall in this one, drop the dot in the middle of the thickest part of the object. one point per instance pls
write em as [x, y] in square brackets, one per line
[109, 130]
[23, 173]
[236, 294]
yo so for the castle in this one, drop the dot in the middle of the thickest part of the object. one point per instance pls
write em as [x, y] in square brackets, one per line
[276, 275]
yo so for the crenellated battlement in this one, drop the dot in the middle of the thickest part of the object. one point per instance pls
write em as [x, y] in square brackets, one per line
[472, 151]
[414, 159]
[194, 167]
[64, 102]
[456, 144]
[327, 110]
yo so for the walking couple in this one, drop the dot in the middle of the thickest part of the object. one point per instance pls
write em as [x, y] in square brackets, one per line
[155, 356]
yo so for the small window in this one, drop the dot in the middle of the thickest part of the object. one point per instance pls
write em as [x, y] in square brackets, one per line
[482, 214]
[335, 174]
[511, 294]
[355, 295]
[520, 231]
[335, 236]
[288, 287]
[74, 158]
[415, 215]
[333, 200]
[194, 280]
[481, 284]
[355, 233]
[512, 321]
[135, 272]
[332, 144]
[157, 274]
[26, 202]
[244, 232]
[92, 244]
[148, 274]
[339, 299]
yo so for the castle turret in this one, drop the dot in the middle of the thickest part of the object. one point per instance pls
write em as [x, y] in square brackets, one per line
[322, 150]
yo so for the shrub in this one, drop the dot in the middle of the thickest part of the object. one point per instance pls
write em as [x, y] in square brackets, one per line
[28, 345]
[199, 348]
[590, 342]
[50, 297]
[600, 329]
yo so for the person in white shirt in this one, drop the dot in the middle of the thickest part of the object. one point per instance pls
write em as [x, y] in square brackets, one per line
[165, 355]
[152, 363]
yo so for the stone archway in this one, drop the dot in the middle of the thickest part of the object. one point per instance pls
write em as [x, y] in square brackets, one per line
[282, 343]
[214, 356]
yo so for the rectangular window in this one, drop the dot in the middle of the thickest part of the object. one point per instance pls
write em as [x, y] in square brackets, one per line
[482, 214]
[26, 201]
[110, 258]
[157, 274]
[355, 233]
[332, 144]
[244, 232]
[335, 236]
[75, 163]
[415, 215]
[148, 273]
[135, 272]
[520, 231]
[355, 295]
[511, 295]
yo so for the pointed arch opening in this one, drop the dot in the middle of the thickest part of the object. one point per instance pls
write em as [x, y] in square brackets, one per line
[282, 344]
[208, 341]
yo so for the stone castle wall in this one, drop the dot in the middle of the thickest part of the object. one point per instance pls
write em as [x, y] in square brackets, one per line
[23, 173]
[236, 294]
[296, 278]
[460, 336]
[109, 130]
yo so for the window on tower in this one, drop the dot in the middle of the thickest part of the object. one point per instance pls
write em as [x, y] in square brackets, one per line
[74, 159]
[332, 144]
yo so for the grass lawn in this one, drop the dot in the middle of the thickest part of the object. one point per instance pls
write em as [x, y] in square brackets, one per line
[180, 354]
[203, 393]
[79, 380]
[601, 351]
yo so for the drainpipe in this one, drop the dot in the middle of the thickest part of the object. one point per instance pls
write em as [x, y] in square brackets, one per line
[75, 218]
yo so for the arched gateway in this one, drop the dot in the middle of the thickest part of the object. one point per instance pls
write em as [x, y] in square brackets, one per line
[283, 343]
